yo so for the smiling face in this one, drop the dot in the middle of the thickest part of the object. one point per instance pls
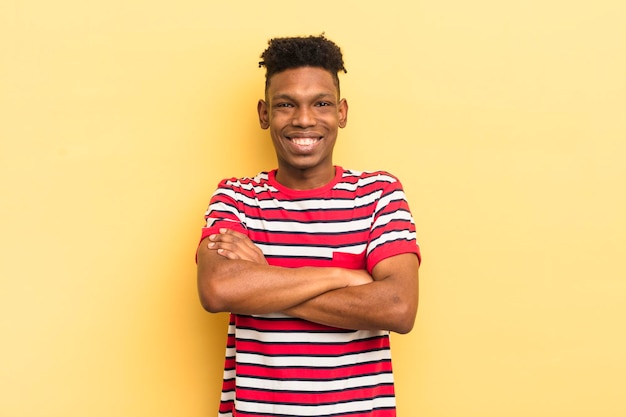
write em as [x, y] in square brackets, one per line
[303, 113]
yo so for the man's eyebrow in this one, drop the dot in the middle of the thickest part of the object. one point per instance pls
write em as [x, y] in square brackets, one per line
[285, 96]
[282, 97]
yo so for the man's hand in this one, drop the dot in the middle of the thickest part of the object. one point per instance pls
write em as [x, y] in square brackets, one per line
[235, 245]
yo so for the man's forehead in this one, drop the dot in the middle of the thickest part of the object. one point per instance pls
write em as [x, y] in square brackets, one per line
[302, 81]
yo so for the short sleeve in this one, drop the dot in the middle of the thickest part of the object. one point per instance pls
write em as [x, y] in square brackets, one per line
[393, 228]
[224, 211]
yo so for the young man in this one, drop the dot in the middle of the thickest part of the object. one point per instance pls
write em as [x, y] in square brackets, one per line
[315, 263]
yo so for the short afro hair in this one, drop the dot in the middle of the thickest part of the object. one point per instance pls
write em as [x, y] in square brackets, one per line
[295, 52]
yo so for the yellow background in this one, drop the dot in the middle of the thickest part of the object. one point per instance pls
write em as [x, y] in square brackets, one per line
[506, 122]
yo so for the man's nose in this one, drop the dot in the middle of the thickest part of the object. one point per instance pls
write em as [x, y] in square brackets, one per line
[303, 117]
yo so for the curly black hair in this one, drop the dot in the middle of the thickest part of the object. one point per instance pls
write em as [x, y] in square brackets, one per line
[295, 52]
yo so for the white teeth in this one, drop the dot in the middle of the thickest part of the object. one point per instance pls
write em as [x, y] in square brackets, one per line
[303, 141]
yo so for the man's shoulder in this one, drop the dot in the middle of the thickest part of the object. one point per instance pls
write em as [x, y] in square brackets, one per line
[369, 177]
[259, 180]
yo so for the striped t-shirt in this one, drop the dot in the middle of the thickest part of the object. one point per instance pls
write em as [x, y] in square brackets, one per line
[277, 365]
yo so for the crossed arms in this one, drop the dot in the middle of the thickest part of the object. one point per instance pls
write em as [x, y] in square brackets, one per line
[233, 276]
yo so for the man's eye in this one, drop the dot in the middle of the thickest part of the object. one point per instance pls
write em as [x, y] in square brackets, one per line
[283, 105]
[323, 104]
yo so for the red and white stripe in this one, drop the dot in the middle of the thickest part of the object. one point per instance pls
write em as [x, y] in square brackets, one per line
[278, 365]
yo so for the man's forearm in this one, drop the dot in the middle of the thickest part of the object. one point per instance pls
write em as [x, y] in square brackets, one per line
[233, 275]
[249, 288]
[368, 307]
[388, 303]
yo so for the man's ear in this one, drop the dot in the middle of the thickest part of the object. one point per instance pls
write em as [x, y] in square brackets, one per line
[343, 113]
[264, 119]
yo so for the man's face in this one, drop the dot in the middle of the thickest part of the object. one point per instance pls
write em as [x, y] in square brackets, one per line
[303, 113]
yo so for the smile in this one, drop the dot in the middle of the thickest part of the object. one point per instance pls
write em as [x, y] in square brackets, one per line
[303, 144]
[304, 141]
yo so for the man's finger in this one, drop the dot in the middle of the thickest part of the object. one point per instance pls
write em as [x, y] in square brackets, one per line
[237, 235]
[225, 231]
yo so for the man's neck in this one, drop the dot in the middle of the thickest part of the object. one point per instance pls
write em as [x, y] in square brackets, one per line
[305, 179]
